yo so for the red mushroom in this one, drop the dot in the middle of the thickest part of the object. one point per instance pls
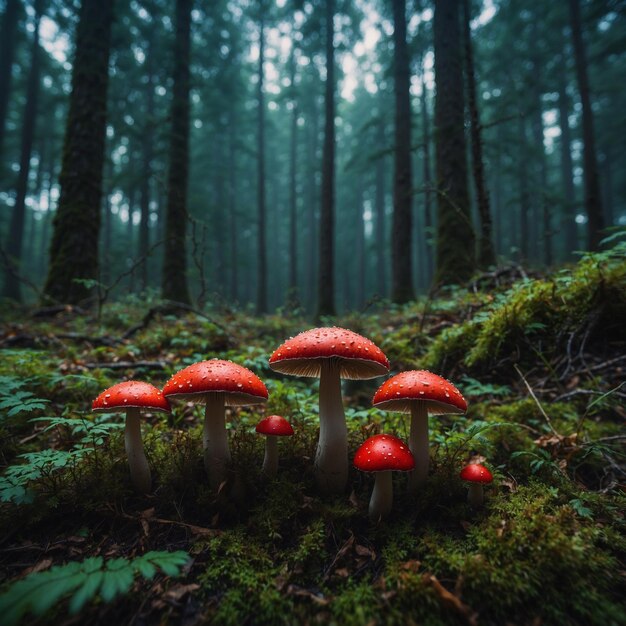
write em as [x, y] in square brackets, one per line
[132, 396]
[273, 427]
[330, 354]
[383, 454]
[219, 384]
[418, 393]
[476, 475]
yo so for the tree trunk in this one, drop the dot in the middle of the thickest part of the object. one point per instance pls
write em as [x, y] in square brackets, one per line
[105, 273]
[486, 253]
[174, 281]
[542, 186]
[401, 254]
[427, 179]
[261, 303]
[455, 232]
[16, 229]
[232, 208]
[607, 175]
[130, 237]
[47, 219]
[326, 278]
[8, 31]
[293, 206]
[567, 176]
[523, 193]
[381, 249]
[147, 154]
[593, 200]
[74, 247]
[312, 220]
[359, 249]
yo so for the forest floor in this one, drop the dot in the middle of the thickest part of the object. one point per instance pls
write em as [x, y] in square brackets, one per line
[541, 360]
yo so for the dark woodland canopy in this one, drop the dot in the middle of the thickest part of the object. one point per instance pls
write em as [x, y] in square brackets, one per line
[313, 154]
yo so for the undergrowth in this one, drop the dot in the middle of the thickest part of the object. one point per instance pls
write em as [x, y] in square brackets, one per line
[548, 546]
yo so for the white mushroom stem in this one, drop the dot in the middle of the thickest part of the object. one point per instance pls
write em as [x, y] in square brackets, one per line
[137, 462]
[215, 439]
[382, 496]
[331, 458]
[418, 444]
[475, 495]
[270, 462]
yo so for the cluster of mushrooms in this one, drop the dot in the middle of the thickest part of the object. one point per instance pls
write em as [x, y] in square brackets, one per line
[329, 354]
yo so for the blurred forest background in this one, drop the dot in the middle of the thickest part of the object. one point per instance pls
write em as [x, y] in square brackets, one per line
[235, 152]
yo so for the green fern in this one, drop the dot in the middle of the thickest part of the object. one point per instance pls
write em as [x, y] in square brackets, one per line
[14, 483]
[38, 592]
[19, 401]
[94, 431]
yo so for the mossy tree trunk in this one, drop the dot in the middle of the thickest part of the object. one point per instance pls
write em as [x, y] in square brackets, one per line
[593, 200]
[486, 253]
[455, 232]
[326, 278]
[401, 255]
[74, 247]
[174, 279]
[8, 32]
[16, 229]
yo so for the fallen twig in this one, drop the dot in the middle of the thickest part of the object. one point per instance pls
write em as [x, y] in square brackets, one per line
[121, 365]
[534, 397]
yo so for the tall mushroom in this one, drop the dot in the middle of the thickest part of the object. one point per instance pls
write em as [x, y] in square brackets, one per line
[133, 396]
[419, 393]
[273, 427]
[383, 454]
[330, 354]
[219, 384]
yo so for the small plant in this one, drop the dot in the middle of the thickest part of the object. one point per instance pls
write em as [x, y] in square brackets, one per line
[83, 580]
[14, 399]
[39, 465]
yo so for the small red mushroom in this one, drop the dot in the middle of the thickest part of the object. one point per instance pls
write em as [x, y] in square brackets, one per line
[219, 384]
[476, 475]
[419, 393]
[383, 454]
[273, 427]
[132, 396]
[330, 354]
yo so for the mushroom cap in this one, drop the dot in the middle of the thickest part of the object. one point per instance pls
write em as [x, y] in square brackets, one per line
[274, 425]
[239, 384]
[130, 394]
[301, 355]
[400, 391]
[382, 453]
[476, 473]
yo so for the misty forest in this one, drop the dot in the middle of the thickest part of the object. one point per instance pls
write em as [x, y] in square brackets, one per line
[213, 213]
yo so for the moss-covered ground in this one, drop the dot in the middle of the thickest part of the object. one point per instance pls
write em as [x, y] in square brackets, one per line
[541, 362]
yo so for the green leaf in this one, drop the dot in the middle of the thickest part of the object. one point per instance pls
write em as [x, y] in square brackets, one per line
[117, 578]
[86, 592]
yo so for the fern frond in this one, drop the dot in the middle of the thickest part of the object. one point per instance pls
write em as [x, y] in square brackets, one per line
[39, 591]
